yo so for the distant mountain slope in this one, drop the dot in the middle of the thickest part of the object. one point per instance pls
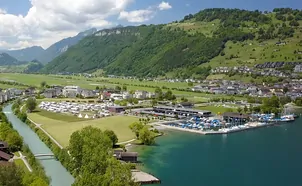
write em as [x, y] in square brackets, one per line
[38, 53]
[62, 46]
[186, 48]
[6, 59]
[26, 54]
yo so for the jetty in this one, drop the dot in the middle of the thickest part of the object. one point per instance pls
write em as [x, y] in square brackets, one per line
[144, 178]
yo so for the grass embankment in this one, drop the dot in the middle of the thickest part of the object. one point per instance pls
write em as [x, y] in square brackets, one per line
[62, 126]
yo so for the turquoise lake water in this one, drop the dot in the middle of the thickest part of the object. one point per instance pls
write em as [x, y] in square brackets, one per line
[269, 156]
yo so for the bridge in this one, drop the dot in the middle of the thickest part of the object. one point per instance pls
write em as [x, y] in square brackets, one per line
[44, 155]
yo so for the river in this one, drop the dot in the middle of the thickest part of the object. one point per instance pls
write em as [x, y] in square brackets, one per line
[262, 157]
[53, 168]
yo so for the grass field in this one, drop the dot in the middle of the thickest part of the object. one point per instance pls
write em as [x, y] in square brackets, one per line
[61, 127]
[215, 110]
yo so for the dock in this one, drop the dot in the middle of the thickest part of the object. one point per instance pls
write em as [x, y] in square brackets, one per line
[251, 126]
[144, 178]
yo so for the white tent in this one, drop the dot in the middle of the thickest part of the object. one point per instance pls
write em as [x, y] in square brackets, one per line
[80, 116]
[86, 116]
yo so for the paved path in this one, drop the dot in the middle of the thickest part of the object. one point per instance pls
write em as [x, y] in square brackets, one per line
[23, 158]
[125, 142]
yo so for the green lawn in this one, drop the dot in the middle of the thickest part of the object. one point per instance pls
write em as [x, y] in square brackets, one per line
[20, 162]
[58, 116]
[214, 109]
[61, 127]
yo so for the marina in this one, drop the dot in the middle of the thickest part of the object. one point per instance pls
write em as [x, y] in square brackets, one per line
[214, 126]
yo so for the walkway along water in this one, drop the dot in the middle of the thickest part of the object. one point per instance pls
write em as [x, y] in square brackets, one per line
[53, 168]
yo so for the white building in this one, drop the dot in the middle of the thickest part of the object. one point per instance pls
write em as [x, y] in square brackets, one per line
[140, 94]
[71, 91]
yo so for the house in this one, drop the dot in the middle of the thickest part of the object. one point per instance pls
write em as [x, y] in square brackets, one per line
[126, 156]
[88, 93]
[231, 91]
[151, 95]
[116, 109]
[298, 68]
[59, 89]
[4, 97]
[5, 156]
[30, 91]
[127, 95]
[14, 92]
[105, 96]
[71, 91]
[140, 94]
[185, 105]
[50, 93]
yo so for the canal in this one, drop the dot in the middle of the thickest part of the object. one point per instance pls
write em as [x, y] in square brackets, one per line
[53, 168]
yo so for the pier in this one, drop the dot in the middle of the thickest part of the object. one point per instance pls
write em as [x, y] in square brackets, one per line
[144, 178]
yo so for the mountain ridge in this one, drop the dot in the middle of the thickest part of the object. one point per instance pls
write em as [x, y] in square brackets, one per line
[187, 47]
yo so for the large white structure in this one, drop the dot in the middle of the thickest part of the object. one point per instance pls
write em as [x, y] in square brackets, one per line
[71, 91]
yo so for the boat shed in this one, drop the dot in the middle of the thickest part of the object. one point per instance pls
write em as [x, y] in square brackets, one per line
[182, 111]
[233, 117]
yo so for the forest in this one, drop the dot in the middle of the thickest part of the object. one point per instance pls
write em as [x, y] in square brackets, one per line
[155, 50]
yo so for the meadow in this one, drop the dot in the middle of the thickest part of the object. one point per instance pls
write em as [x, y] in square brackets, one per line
[61, 126]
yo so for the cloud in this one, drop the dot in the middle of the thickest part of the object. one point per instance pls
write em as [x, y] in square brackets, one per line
[2, 11]
[164, 6]
[49, 21]
[137, 16]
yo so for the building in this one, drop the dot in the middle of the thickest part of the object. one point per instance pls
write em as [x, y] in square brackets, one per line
[50, 93]
[235, 118]
[126, 156]
[127, 95]
[88, 93]
[116, 109]
[181, 111]
[185, 105]
[5, 156]
[71, 91]
[140, 94]
[59, 89]
[298, 68]
[30, 91]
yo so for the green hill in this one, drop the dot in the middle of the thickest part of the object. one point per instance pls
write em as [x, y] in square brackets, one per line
[190, 47]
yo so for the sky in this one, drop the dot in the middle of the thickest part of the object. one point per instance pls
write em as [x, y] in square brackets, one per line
[26, 23]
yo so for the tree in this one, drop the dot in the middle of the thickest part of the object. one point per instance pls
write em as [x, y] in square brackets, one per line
[124, 88]
[14, 140]
[118, 174]
[92, 159]
[31, 104]
[146, 136]
[190, 84]
[10, 175]
[239, 109]
[112, 136]
[245, 109]
[153, 102]
[43, 84]
[118, 88]
[97, 88]
[38, 182]
[285, 90]
[136, 127]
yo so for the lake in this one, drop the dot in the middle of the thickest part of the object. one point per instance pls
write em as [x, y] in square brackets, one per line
[266, 156]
